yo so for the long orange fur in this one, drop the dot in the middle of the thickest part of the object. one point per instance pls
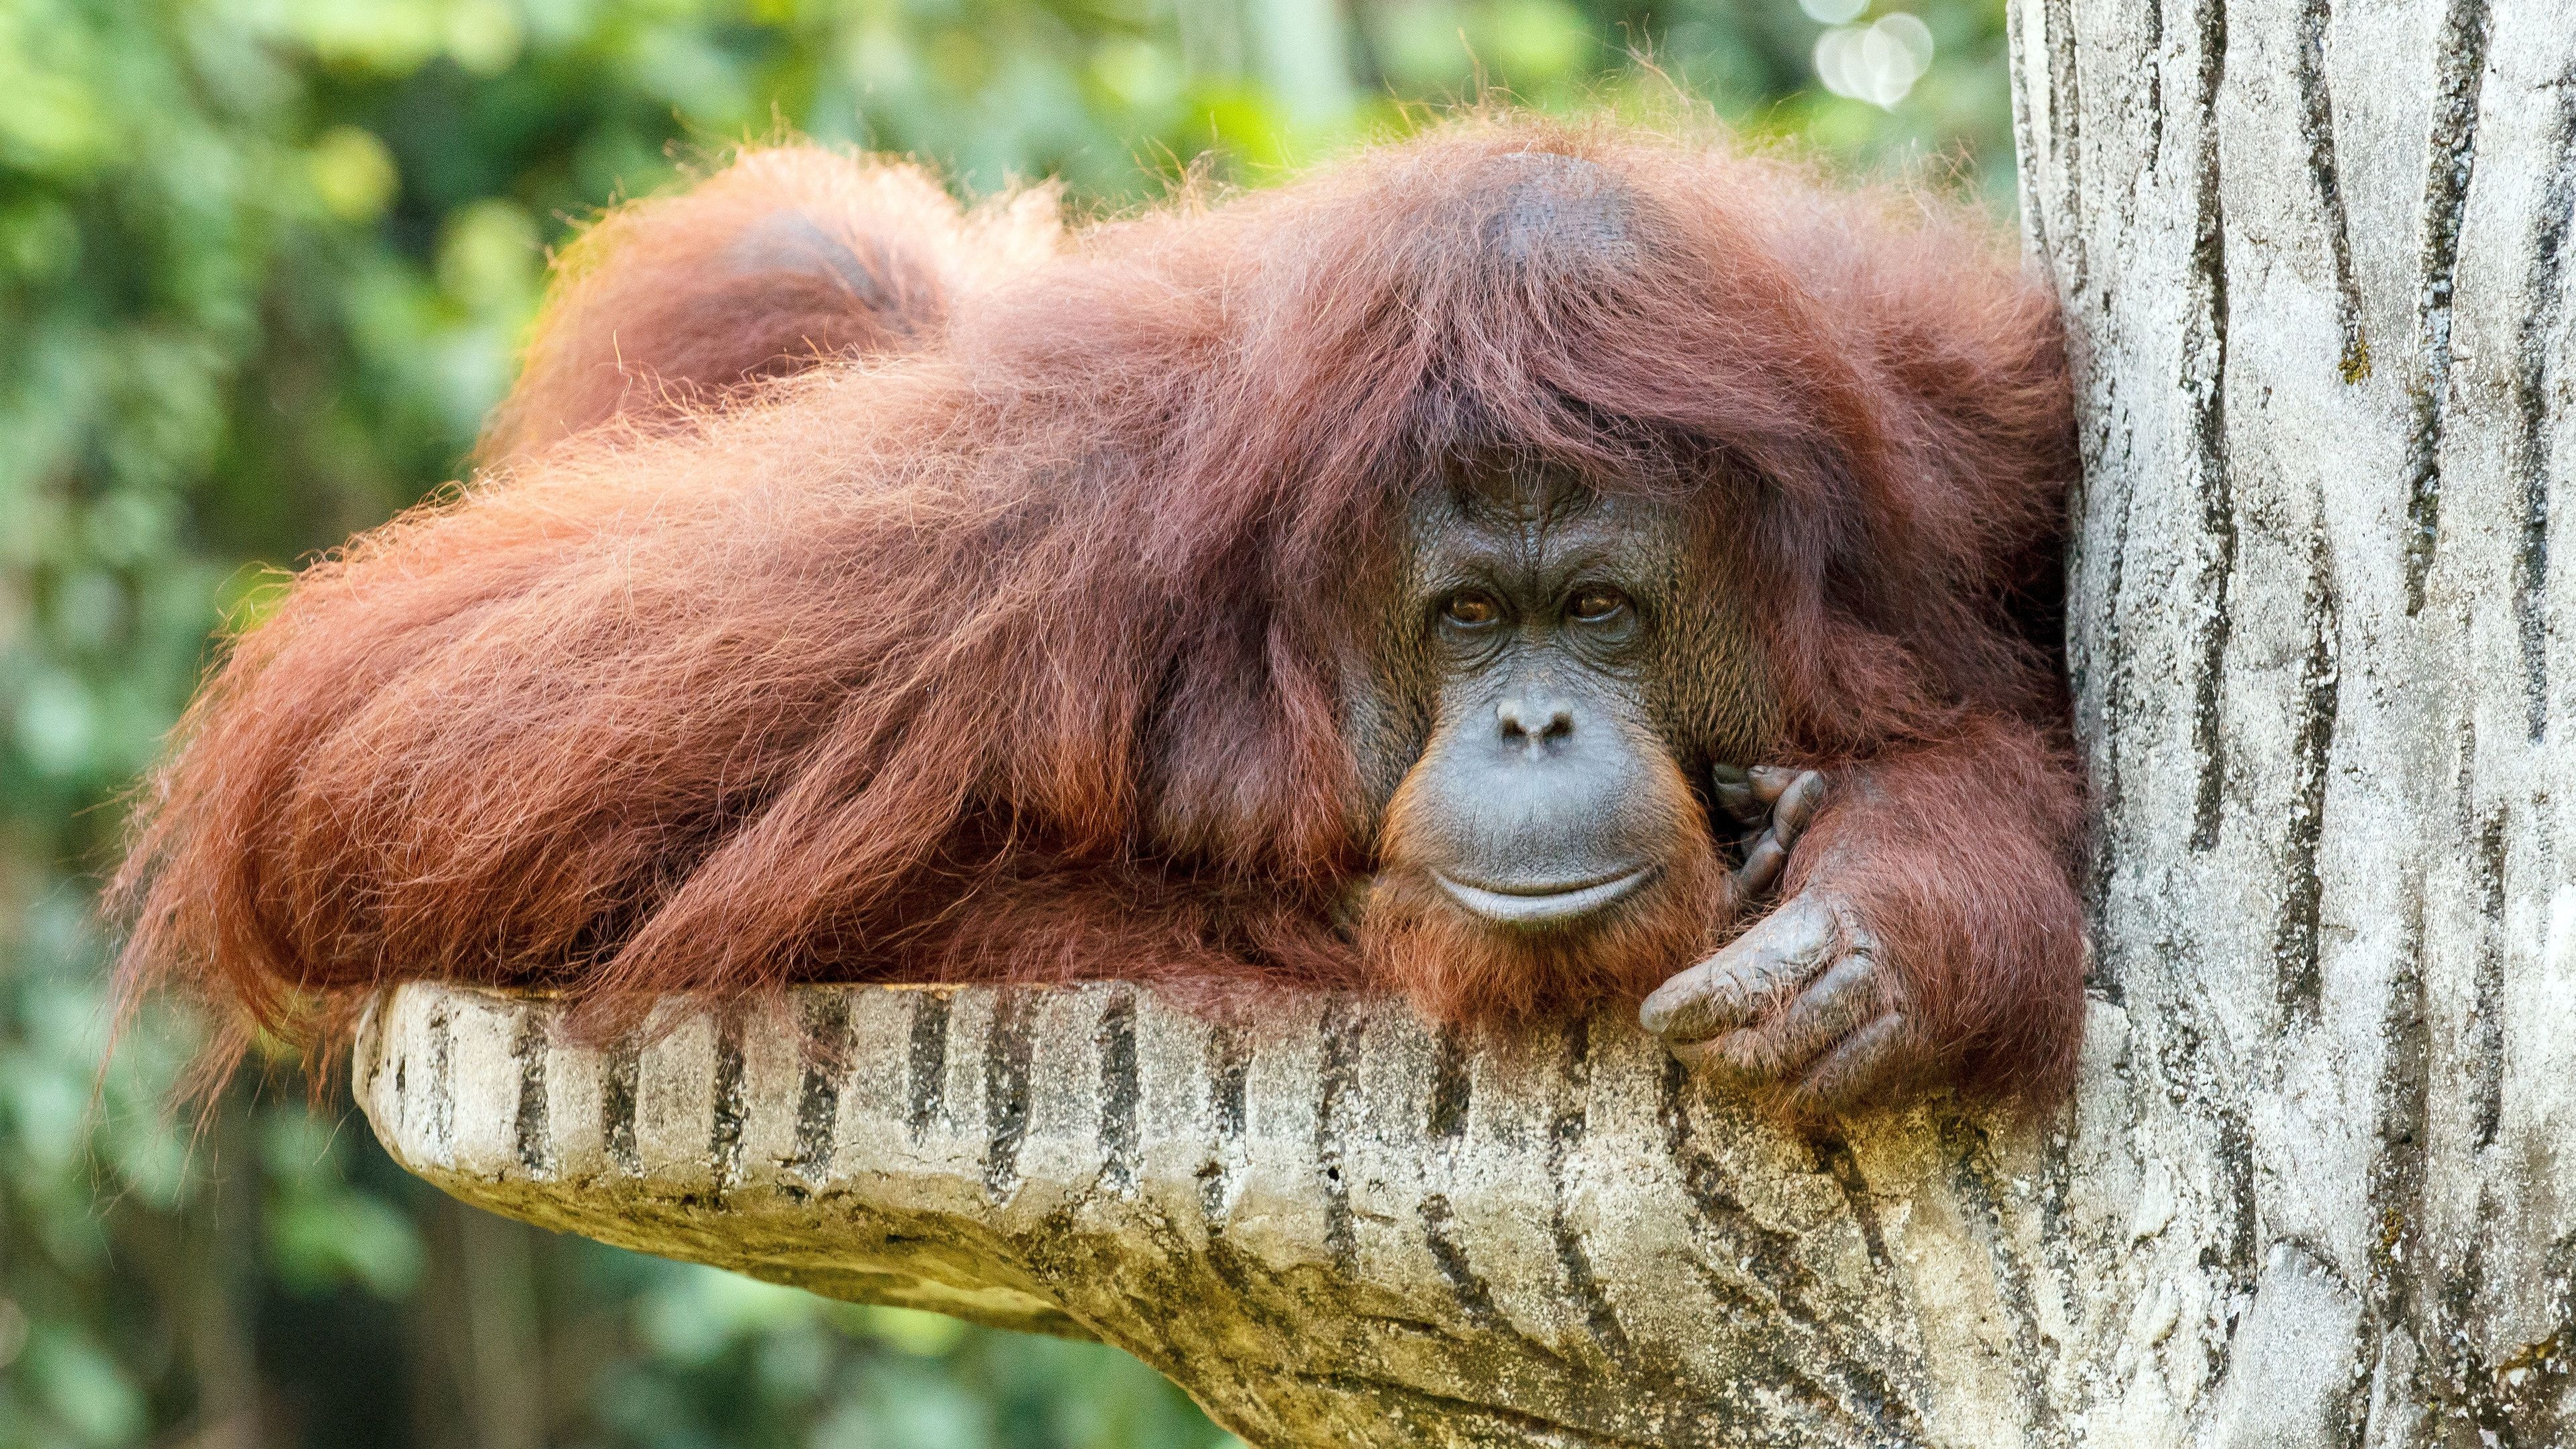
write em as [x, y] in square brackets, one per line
[968, 608]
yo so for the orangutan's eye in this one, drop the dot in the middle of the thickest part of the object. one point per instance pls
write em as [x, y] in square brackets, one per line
[1472, 609]
[1595, 604]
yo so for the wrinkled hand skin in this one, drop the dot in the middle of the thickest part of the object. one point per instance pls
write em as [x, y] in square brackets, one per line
[1799, 1009]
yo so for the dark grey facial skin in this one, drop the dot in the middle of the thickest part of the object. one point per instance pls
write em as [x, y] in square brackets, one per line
[1535, 804]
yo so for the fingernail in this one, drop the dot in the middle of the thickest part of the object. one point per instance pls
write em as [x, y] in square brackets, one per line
[1656, 1011]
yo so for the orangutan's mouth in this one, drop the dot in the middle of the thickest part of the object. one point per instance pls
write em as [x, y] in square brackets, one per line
[1542, 903]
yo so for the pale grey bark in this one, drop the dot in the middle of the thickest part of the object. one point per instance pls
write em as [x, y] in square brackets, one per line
[1332, 1225]
[2318, 1185]
[2314, 257]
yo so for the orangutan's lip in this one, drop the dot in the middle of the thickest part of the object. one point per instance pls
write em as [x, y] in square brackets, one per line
[1539, 904]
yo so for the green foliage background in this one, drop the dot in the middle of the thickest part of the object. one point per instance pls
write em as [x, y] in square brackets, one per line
[262, 267]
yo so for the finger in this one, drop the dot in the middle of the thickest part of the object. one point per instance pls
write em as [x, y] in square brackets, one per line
[1732, 987]
[1858, 1070]
[1731, 787]
[1797, 806]
[1769, 782]
[1822, 1015]
[1761, 868]
[1747, 977]
[1827, 1011]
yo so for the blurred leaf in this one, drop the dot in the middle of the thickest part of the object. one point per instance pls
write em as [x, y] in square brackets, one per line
[1537, 40]
[56, 722]
[353, 173]
[81, 1386]
[484, 36]
[320, 1239]
[391, 37]
[923, 1335]
[490, 258]
[699, 1312]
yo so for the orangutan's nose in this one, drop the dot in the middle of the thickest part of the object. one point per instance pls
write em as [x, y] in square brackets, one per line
[1534, 718]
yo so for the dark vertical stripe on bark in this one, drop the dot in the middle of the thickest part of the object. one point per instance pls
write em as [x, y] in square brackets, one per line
[1451, 1085]
[2234, 1149]
[1474, 1298]
[1119, 1088]
[2110, 660]
[528, 1042]
[1229, 1068]
[442, 1079]
[2399, 1246]
[617, 1105]
[2533, 457]
[2204, 380]
[925, 1092]
[2486, 1011]
[2476, 1385]
[1769, 1254]
[1835, 1156]
[2486, 1046]
[1337, 1082]
[2295, 942]
[1229, 1064]
[2316, 127]
[825, 1055]
[2155, 60]
[2209, 1076]
[1008, 1049]
[728, 1111]
[2459, 78]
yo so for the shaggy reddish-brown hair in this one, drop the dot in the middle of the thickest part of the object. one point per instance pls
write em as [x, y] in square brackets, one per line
[1000, 639]
[787, 258]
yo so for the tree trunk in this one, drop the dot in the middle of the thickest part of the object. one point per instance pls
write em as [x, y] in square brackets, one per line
[2318, 1186]
[2313, 256]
